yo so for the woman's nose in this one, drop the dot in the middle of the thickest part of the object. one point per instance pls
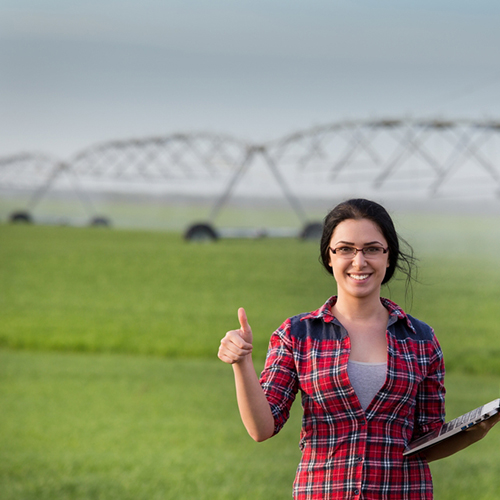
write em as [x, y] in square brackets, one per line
[359, 259]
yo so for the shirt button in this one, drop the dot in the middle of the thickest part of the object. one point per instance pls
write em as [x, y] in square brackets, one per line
[356, 491]
[359, 459]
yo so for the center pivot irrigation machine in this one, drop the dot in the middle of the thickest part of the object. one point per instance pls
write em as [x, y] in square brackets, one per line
[412, 159]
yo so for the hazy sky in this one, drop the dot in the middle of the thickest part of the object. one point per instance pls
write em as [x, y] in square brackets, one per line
[73, 73]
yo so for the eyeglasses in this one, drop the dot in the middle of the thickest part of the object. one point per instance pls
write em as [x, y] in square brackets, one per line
[350, 252]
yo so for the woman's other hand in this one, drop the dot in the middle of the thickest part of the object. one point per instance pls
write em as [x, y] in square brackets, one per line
[479, 431]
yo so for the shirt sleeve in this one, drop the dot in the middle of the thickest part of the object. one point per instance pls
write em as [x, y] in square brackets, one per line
[430, 401]
[279, 379]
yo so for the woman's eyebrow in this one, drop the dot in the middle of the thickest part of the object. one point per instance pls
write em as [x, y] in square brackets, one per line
[374, 242]
[342, 242]
[365, 244]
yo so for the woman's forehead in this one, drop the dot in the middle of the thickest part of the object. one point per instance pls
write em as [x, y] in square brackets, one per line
[358, 231]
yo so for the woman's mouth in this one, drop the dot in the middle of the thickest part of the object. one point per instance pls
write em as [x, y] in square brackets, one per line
[359, 277]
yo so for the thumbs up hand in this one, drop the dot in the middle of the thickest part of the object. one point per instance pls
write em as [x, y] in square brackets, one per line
[236, 346]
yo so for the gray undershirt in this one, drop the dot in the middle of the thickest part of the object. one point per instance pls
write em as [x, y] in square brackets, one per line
[366, 379]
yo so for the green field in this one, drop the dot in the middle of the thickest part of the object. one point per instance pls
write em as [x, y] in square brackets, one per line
[109, 381]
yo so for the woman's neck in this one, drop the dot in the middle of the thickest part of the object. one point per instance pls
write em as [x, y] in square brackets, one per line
[362, 309]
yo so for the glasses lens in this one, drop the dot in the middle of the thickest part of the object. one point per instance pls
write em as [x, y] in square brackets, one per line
[373, 251]
[345, 251]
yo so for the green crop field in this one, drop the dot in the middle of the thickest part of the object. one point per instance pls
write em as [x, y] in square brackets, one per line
[109, 380]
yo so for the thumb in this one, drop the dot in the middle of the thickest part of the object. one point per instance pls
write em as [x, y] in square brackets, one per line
[242, 317]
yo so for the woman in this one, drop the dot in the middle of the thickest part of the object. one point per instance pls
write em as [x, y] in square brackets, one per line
[371, 376]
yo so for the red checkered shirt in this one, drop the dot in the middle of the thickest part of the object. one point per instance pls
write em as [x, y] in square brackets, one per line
[347, 452]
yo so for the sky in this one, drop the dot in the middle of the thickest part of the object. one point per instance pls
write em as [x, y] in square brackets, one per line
[76, 73]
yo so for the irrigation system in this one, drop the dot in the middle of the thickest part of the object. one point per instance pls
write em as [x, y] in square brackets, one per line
[409, 158]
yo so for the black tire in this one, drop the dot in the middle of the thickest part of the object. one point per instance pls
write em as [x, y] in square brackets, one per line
[100, 221]
[201, 232]
[20, 218]
[312, 231]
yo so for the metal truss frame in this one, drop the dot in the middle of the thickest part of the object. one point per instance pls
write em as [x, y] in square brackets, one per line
[374, 153]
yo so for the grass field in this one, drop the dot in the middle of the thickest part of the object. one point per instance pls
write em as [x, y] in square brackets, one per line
[82, 289]
[109, 381]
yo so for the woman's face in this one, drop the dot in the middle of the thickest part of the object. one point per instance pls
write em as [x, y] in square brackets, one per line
[358, 275]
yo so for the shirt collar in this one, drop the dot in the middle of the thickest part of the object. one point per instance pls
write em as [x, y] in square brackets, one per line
[325, 312]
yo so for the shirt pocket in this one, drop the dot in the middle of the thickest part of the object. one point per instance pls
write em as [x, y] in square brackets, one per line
[323, 379]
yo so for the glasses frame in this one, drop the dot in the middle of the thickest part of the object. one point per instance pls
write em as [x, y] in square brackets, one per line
[356, 250]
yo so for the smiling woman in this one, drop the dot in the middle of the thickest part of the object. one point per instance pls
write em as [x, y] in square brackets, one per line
[371, 376]
[364, 267]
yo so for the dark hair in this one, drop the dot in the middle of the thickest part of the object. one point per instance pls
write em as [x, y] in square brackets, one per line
[360, 208]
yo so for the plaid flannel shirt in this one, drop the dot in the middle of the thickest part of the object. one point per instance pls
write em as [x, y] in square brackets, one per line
[347, 452]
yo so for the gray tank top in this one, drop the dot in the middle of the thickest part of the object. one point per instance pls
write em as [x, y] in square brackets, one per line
[366, 379]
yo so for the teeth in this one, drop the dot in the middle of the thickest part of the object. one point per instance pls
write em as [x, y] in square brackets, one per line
[359, 276]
